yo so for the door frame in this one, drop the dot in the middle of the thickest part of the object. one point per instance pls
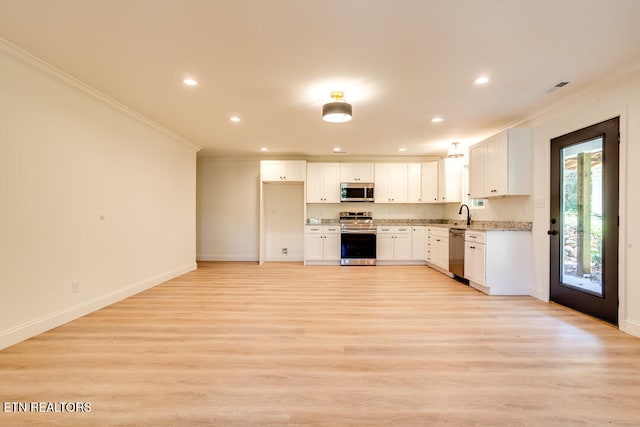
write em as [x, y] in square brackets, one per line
[613, 201]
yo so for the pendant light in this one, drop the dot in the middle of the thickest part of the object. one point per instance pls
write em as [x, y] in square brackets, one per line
[338, 111]
[454, 151]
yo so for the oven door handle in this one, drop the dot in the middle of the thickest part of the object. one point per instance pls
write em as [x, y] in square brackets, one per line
[358, 232]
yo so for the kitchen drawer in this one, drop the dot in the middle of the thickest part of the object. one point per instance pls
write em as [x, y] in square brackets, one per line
[401, 229]
[440, 231]
[313, 229]
[395, 229]
[474, 236]
[331, 229]
[322, 229]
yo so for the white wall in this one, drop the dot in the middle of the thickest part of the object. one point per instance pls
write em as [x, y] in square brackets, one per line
[618, 98]
[89, 194]
[284, 221]
[228, 209]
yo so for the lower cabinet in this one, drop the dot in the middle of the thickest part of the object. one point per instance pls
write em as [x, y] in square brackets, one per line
[498, 262]
[394, 243]
[438, 247]
[474, 256]
[418, 243]
[322, 243]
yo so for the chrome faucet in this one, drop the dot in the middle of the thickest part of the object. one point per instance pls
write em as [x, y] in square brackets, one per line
[468, 213]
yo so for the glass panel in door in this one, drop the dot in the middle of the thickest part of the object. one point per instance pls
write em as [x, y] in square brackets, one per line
[581, 218]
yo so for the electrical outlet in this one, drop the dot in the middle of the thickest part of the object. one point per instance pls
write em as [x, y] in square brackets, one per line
[284, 251]
[75, 287]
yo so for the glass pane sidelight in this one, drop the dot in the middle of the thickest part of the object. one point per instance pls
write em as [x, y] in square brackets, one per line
[581, 221]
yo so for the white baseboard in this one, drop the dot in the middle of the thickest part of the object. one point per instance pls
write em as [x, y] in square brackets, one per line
[226, 258]
[322, 262]
[631, 327]
[285, 259]
[403, 262]
[53, 320]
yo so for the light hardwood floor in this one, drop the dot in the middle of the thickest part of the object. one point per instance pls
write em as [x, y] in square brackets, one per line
[235, 344]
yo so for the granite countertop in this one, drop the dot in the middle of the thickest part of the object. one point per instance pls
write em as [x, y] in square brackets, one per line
[475, 225]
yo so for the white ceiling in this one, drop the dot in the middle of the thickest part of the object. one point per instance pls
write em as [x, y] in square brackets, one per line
[274, 62]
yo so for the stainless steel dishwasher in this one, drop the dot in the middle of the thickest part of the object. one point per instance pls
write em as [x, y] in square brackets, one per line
[456, 251]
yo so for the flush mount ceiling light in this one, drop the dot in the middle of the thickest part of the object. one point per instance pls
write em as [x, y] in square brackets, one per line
[455, 151]
[338, 111]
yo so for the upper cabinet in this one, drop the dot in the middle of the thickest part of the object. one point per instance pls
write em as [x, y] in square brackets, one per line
[449, 180]
[429, 182]
[414, 183]
[501, 165]
[438, 181]
[390, 183]
[323, 183]
[356, 172]
[283, 170]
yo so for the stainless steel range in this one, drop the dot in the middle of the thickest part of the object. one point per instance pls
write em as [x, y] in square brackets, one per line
[357, 238]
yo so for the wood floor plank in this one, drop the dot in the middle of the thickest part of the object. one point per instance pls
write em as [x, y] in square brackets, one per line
[236, 344]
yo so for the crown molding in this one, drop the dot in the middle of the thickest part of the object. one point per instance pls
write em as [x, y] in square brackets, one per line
[21, 56]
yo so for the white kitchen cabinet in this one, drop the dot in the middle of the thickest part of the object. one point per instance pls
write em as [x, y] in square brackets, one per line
[438, 247]
[390, 182]
[449, 180]
[498, 262]
[323, 183]
[283, 170]
[477, 167]
[322, 243]
[384, 243]
[474, 256]
[414, 183]
[418, 242]
[429, 182]
[356, 172]
[393, 243]
[501, 165]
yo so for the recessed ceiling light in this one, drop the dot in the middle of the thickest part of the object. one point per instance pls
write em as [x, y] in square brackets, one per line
[482, 80]
[437, 119]
[235, 119]
[337, 150]
[402, 149]
[264, 149]
[190, 82]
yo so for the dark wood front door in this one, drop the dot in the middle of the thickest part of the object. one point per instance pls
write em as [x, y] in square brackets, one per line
[584, 220]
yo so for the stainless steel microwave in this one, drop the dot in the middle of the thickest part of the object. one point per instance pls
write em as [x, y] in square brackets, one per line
[356, 191]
